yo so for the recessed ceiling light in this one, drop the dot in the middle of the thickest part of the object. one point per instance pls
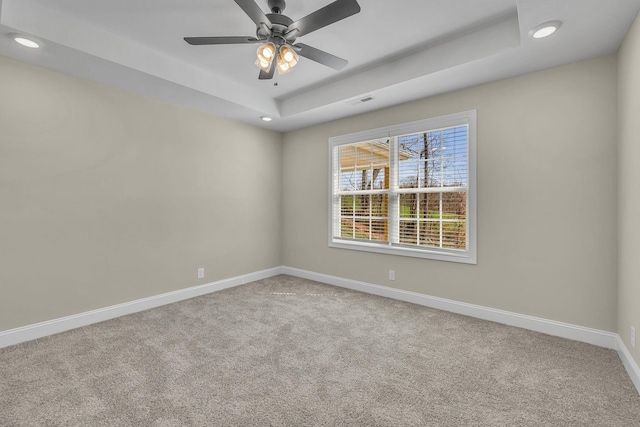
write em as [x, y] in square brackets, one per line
[26, 42]
[266, 118]
[545, 30]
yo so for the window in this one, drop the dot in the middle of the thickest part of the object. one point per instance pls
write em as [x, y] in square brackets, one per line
[407, 189]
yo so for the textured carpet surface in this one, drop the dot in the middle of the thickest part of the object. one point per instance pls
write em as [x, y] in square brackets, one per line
[291, 352]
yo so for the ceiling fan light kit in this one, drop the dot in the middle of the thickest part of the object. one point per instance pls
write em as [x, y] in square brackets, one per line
[277, 34]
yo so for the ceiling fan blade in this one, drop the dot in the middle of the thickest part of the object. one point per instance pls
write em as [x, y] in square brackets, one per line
[320, 56]
[254, 12]
[220, 40]
[329, 14]
[269, 75]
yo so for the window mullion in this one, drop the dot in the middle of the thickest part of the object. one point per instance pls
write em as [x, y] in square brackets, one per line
[394, 198]
[337, 200]
[370, 213]
[440, 220]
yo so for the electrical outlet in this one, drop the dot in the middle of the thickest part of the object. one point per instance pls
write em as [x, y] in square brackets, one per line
[633, 337]
[201, 273]
[392, 275]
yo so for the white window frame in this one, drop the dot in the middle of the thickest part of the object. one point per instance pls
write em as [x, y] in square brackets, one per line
[469, 255]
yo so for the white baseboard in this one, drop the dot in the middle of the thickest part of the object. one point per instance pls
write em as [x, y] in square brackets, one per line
[629, 364]
[39, 330]
[550, 327]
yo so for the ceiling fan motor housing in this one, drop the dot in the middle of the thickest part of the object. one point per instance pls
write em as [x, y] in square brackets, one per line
[278, 34]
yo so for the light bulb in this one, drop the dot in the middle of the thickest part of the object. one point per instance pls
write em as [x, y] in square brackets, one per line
[264, 65]
[266, 51]
[288, 56]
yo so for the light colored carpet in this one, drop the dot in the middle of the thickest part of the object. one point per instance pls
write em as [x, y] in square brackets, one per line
[291, 352]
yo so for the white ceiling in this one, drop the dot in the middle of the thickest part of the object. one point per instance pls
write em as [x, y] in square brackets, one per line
[397, 50]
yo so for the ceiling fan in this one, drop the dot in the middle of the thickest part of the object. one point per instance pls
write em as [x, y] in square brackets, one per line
[278, 32]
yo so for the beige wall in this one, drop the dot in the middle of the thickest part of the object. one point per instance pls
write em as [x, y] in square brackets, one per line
[629, 189]
[547, 197]
[107, 196]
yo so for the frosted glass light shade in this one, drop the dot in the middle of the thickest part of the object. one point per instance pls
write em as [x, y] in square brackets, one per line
[287, 59]
[266, 52]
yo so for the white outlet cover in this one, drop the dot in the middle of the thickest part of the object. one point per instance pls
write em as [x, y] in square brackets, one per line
[201, 273]
[633, 337]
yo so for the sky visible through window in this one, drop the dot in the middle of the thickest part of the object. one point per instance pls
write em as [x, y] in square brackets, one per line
[438, 159]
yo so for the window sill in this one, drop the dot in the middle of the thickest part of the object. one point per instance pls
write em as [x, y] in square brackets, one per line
[464, 257]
